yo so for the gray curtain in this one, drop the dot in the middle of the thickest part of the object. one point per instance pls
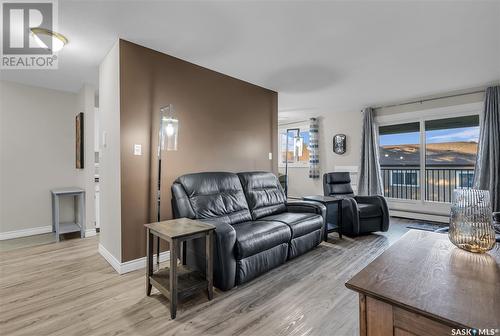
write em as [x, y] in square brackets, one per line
[313, 148]
[487, 171]
[370, 178]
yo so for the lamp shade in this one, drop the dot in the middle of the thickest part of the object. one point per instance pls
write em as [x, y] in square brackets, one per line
[169, 129]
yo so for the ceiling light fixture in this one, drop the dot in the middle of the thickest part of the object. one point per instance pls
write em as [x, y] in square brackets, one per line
[42, 36]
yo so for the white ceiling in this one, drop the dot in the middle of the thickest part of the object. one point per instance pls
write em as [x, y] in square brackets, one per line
[320, 56]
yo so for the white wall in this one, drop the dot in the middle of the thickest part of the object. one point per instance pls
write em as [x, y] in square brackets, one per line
[109, 167]
[330, 123]
[37, 153]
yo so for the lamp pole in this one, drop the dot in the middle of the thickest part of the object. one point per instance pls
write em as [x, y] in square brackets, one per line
[167, 140]
[297, 133]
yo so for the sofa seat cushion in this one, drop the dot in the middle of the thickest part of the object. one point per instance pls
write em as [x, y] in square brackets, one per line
[257, 264]
[299, 223]
[369, 210]
[253, 237]
[302, 244]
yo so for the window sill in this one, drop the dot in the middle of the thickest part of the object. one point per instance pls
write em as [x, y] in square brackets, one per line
[294, 165]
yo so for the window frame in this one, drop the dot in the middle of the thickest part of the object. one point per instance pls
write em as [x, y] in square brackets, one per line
[421, 117]
[459, 174]
[304, 127]
[405, 174]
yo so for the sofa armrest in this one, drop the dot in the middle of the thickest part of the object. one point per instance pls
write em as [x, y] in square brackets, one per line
[306, 206]
[350, 213]
[224, 260]
[382, 203]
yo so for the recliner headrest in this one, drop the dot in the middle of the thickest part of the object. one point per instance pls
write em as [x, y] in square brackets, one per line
[337, 178]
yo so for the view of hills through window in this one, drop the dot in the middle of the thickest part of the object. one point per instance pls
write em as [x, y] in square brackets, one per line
[450, 155]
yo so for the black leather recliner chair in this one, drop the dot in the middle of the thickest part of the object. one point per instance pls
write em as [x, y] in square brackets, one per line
[256, 229]
[360, 214]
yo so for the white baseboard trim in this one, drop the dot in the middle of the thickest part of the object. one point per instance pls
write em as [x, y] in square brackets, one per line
[25, 232]
[90, 233]
[136, 264]
[109, 258]
[420, 216]
[129, 266]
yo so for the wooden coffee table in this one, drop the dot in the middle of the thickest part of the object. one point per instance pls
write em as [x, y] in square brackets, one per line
[177, 280]
[424, 285]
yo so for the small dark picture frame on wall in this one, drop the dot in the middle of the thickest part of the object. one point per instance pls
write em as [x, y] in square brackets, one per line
[79, 140]
[339, 144]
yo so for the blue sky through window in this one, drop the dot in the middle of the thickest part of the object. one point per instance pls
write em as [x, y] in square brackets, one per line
[437, 136]
[303, 134]
[467, 134]
[400, 139]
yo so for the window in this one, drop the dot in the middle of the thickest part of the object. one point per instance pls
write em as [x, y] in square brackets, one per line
[297, 152]
[465, 179]
[428, 159]
[450, 155]
[400, 160]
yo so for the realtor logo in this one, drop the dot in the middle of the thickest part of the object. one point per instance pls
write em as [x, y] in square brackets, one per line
[22, 48]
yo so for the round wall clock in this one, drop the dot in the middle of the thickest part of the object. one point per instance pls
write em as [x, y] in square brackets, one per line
[339, 143]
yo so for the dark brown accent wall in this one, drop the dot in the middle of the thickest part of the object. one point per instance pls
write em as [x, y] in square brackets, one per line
[225, 124]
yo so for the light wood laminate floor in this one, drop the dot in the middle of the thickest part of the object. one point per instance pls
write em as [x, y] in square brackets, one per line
[67, 288]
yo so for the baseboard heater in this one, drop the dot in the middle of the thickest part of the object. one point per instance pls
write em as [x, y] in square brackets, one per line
[420, 216]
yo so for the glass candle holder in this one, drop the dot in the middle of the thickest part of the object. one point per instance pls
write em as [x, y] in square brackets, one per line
[471, 226]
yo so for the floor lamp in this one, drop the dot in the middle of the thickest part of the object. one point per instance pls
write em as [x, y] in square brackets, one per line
[167, 141]
[295, 133]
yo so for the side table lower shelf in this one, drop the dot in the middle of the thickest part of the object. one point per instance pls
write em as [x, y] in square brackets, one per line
[68, 227]
[188, 281]
[178, 280]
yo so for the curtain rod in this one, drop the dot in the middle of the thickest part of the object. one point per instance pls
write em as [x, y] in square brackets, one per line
[428, 99]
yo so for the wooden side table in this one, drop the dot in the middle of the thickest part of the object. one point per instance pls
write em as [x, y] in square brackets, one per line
[177, 280]
[78, 224]
[332, 224]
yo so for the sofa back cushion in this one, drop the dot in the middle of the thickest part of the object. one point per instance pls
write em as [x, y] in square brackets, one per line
[264, 193]
[214, 196]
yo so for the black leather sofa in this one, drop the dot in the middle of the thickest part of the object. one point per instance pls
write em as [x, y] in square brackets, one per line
[256, 228]
[360, 214]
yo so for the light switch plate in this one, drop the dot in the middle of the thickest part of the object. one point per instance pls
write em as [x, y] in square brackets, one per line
[137, 149]
[270, 156]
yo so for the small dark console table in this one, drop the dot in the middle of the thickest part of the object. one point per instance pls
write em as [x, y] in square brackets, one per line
[332, 224]
[177, 280]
